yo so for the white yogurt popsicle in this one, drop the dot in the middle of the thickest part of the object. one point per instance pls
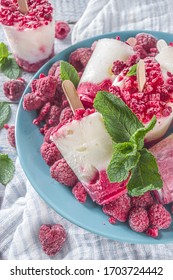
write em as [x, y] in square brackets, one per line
[87, 147]
[30, 35]
[97, 74]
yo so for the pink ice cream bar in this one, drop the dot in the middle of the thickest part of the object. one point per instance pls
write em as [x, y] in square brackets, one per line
[97, 74]
[87, 148]
[30, 35]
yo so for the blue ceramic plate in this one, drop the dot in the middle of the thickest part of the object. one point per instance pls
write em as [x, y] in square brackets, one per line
[88, 216]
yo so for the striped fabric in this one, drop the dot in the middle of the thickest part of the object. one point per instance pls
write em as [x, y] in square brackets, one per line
[23, 211]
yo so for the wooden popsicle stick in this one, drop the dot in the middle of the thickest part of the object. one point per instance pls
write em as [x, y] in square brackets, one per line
[131, 41]
[161, 44]
[23, 6]
[72, 95]
[141, 75]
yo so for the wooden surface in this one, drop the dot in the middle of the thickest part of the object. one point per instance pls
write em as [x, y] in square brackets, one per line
[65, 10]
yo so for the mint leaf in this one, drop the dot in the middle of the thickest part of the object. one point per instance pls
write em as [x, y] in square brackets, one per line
[5, 112]
[120, 122]
[138, 136]
[10, 68]
[68, 72]
[3, 51]
[125, 157]
[6, 169]
[132, 71]
[145, 176]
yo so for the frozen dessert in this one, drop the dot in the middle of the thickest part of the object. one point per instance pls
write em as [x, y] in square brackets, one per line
[163, 152]
[31, 34]
[155, 98]
[87, 147]
[98, 74]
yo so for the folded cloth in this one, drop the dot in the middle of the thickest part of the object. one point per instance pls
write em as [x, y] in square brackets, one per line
[23, 211]
[116, 15]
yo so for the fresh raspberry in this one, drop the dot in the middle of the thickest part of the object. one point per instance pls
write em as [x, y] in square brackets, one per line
[147, 41]
[53, 68]
[138, 219]
[153, 232]
[112, 220]
[14, 89]
[45, 88]
[79, 58]
[145, 200]
[159, 217]
[52, 118]
[79, 192]
[52, 238]
[62, 29]
[10, 134]
[133, 59]
[48, 134]
[117, 67]
[66, 115]
[50, 153]
[43, 113]
[141, 52]
[62, 173]
[32, 102]
[119, 208]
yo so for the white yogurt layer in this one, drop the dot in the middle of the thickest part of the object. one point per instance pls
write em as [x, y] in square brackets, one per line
[105, 53]
[31, 45]
[86, 146]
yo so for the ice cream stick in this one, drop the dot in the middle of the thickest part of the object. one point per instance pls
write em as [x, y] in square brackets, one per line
[23, 6]
[72, 95]
[141, 75]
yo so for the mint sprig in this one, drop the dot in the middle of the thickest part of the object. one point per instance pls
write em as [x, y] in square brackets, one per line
[6, 169]
[132, 71]
[68, 72]
[130, 158]
[8, 65]
[5, 112]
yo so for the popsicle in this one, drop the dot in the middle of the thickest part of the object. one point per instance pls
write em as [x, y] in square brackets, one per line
[97, 74]
[30, 31]
[163, 152]
[147, 93]
[87, 148]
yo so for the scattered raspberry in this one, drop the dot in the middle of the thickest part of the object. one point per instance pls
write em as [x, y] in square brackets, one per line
[50, 153]
[147, 41]
[14, 89]
[52, 118]
[112, 220]
[145, 200]
[138, 219]
[10, 134]
[159, 217]
[47, 135]
[66, 115]
[133, 59]
[53, 68]
[43, 113]
[62, 29]
[152, 232]
[45, 87]
[62, 173]
[32, 102]
[79, 58]
[79, 192]
[141, 52]
[52, 238]
[119, 208]
[118, 66]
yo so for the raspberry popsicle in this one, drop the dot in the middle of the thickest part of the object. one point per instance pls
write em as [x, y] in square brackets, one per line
[87, 148]
[97, 74]
[30, 31]
[147, 93]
